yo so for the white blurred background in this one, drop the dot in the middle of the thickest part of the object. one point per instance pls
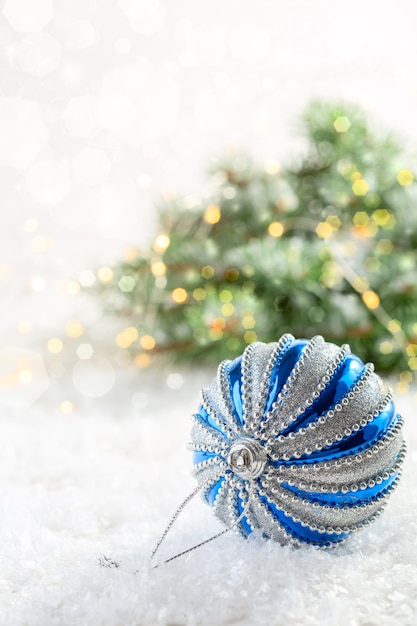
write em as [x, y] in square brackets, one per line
[105, 106]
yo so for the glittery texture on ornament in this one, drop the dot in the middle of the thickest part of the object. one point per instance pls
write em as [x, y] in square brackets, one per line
[301, 437]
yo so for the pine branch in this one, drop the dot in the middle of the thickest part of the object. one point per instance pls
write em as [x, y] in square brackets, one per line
[326, 245]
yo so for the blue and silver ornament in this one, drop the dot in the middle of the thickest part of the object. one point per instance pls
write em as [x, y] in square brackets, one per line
[297, 439]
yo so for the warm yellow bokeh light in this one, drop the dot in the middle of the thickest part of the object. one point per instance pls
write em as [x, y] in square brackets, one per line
[122, 340]
[74, 329]
[228, 309]
[105, 274]
[360, 187]
[158, 268]
[131, 333]
[147, 342]
[142, 360]
[386, 347]
[275, 229]
[412, 363]
[324, 230]
[212, 214]
[179, 295]
[371, 299]
[130, 253]
[405, 177]
[411, 349]
[161, 243]
[394, 326]
[55, 345]
[334, 221]
[248, 322]
[381, 217]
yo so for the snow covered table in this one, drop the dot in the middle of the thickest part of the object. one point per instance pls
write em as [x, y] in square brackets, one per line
[85, 497]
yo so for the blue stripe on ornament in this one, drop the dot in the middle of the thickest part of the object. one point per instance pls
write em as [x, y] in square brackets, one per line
[329, 454]
[205, 417]
[274, 379]
[359, 440]
[350, 370]
[199, 456]
[282, 369]
[234, 374]
[211, 493]
[298, 530]
[362, 496]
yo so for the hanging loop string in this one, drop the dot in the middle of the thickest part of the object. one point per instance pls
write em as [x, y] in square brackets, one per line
[202, 543]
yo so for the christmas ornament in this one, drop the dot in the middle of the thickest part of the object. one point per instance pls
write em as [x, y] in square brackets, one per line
[299, 440]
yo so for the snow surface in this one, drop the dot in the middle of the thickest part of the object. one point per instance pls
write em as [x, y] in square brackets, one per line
[97, 488]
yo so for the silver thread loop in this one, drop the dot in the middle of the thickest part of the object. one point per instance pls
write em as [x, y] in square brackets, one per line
[178, 511]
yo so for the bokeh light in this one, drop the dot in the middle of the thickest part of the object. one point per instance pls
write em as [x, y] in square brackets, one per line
[66, 407]
[179, 295]
[55, 345]
[85, 351]
[212, 214]
[161, 243]
[94, 377]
